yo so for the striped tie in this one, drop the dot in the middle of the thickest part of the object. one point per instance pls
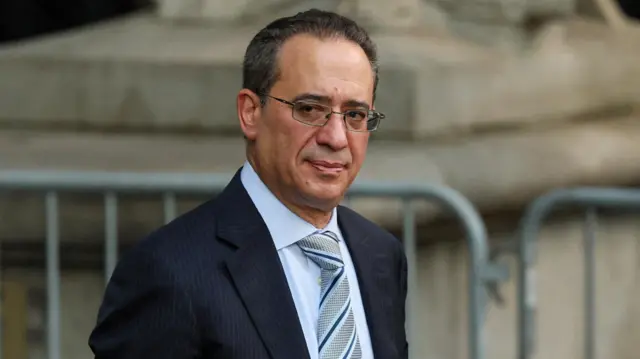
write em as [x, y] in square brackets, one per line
[336, 330]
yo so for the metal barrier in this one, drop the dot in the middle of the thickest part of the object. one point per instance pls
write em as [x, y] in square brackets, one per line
[590, 199]
[481, 272]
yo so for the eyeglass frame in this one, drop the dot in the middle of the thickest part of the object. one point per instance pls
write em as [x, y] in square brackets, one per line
[380, 115]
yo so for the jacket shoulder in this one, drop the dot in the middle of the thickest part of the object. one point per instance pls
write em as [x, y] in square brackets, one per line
[365, 225]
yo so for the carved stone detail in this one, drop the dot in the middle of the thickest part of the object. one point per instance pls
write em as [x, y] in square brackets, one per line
[374, 14]
[511, 11]
[394, 15]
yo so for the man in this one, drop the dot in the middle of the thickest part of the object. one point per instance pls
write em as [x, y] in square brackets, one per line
[273, 267]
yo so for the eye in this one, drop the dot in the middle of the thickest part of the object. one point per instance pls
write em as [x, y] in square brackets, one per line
[306, 108]
[309, 108]
[356, 115]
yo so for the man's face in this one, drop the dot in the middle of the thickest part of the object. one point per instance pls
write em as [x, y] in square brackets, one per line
[306, 165]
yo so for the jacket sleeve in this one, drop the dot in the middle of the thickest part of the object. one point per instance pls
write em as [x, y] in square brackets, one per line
[144, 313]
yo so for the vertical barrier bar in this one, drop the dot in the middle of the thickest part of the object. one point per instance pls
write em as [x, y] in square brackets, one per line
[527, 301]
[590, 226]
[409, 241]
[169, 204]
[111, 234]
[53, 275]
[477, 298]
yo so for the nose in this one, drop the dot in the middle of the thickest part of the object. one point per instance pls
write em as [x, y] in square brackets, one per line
[334, 133]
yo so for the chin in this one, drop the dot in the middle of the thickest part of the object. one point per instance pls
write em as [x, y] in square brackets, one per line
[326, 195]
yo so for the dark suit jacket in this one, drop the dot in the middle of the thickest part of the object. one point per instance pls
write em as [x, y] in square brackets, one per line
[210, 285]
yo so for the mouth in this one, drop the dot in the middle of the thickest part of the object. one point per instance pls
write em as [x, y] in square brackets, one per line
[327, 167]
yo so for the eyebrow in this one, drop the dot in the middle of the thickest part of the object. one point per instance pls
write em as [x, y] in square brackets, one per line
[326, 99]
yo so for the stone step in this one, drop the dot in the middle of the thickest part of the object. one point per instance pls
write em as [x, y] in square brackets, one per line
[140, 74]
[494, 171]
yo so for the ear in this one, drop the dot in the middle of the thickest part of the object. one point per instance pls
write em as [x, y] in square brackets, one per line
[249, 112]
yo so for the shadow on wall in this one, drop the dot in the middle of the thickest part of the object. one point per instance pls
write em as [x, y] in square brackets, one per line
[630, 7]
[21, 19]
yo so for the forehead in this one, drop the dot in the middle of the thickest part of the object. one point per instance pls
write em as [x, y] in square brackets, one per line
[332, 67]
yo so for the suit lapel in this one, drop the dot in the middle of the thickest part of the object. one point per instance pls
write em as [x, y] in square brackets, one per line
[257, 273]
[373, 277]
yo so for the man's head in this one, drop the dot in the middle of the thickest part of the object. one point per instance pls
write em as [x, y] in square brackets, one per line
[296, 71]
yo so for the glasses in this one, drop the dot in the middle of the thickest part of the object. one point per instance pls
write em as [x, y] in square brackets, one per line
[316, 114]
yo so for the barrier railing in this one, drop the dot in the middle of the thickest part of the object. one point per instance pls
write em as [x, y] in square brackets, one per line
[590, 200]
[481, 272]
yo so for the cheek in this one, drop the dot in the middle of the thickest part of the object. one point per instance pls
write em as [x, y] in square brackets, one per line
[359, 144]
[300, 144]
[287, 152]
[278, 136]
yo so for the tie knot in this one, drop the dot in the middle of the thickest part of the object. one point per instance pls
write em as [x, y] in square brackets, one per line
[323, 249]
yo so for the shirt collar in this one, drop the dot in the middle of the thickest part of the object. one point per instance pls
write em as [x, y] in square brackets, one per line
[285, 227]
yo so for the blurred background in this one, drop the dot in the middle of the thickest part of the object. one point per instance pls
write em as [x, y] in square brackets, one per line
[502, 101]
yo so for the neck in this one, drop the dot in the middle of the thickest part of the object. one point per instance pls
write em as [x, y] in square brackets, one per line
[317, 217]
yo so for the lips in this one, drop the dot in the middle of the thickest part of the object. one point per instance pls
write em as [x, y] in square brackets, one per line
[328, 167]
